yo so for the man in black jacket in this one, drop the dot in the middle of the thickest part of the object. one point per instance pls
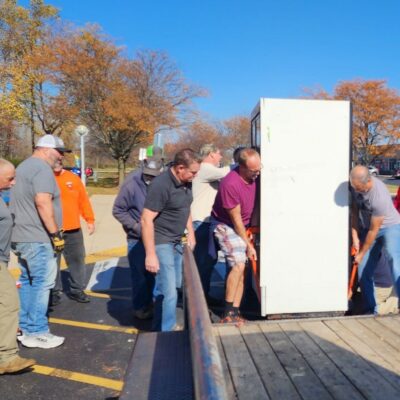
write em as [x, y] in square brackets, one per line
[128, 207]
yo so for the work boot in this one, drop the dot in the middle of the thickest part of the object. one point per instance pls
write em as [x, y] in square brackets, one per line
[80, 297]
[55, 298]
[16, 364]
[144, 313]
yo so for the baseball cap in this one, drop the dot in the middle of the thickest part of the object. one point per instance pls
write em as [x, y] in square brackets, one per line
[52, 142]
[153, 167]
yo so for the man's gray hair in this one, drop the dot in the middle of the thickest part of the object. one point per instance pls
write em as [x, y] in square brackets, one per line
[206, 149]
[360, 173]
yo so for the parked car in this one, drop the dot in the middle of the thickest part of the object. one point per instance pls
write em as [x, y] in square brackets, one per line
[77, 171]
[374, 171]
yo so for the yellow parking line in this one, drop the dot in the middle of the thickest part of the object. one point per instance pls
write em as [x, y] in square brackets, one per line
[90, 325]
[89, 259]
[123, 289]
[106, 296]
[78, 377]
[101, 255]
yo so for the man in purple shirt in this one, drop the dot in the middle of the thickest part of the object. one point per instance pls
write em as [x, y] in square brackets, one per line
[231, 215]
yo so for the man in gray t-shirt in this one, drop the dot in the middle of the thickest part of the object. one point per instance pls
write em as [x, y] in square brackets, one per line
[383, 232]
[36, 238]
[35, 176]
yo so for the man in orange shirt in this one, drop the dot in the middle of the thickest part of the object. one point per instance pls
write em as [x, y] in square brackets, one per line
[75, 204]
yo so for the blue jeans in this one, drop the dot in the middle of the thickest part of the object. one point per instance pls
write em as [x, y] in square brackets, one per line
[142, 280]
[205, 263]
[389, 239]
[168, 280]
[38, 265]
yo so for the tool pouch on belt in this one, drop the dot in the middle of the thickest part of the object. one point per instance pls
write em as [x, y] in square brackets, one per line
[57, 241]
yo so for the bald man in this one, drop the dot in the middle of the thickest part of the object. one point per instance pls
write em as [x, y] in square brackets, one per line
[10, 361]
[372, 195]
[231, 214]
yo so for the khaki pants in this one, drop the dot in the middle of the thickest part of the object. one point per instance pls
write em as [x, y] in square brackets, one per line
[386, 300]
[9, 307]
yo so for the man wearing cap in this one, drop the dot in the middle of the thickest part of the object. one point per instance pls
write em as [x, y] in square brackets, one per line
[231, 214]
[128, 207]
[75, 204]
[37, 237]
[10, 361]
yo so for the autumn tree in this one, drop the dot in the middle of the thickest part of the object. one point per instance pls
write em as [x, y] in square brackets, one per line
[124, 102]
[162, 90]
[92, 74]
[194, 136]
[227, 135]
[236, 132]
[376, 116]
[22, 31]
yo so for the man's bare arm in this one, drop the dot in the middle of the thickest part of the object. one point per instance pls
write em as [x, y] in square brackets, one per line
[191, 238]
[44, 205]
[375, 225]
[147, 220]
[236, 218]
[354, 226]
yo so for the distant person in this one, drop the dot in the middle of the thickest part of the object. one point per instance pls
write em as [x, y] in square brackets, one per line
[37, 238]
[127, 209]
[205, 186]
[231, 214]
[383, 233]
[10, 361]
[75, 204]
[165, 217]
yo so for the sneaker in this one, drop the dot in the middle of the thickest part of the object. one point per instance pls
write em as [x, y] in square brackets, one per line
[144, 313]
[80, 297]
[16, 364]
[43, 341]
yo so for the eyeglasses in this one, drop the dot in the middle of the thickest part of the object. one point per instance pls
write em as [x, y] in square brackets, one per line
[255, 171]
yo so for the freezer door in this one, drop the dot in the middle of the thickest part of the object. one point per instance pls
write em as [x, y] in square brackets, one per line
[305, 151]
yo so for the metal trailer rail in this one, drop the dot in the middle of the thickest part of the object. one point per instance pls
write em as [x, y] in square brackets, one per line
[208, 379]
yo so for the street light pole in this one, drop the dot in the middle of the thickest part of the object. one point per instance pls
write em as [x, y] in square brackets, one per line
[82, 131]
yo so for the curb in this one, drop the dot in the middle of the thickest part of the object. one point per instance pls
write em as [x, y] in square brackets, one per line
[89, 259]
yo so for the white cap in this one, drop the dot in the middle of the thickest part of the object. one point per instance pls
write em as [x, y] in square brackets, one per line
[52, 142]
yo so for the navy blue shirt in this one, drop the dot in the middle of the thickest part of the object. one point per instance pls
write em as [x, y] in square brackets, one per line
[128, 205]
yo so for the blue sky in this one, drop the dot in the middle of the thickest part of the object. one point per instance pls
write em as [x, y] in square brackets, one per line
[241, 50]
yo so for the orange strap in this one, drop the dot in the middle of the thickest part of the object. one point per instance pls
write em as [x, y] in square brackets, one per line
[352, 276]
[250, 231]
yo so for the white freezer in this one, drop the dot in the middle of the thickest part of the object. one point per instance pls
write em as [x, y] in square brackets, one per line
[304, 204]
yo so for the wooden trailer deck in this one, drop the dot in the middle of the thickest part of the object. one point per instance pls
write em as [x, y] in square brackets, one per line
[343, 358]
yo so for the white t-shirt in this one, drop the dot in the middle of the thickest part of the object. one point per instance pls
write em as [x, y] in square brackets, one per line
[205, 187]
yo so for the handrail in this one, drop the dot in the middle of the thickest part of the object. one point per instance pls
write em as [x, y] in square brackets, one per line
[209, 382]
